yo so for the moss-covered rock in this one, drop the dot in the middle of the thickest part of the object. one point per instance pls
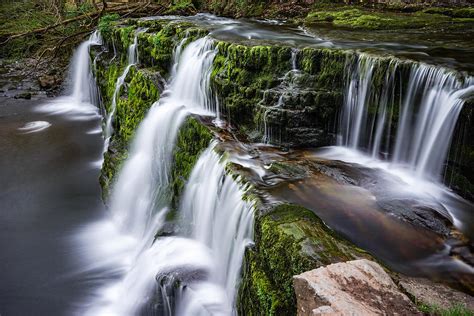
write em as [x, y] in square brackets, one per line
[140, 91]
[288, 241]
[361, 18]
[252, 84]
[193, 137]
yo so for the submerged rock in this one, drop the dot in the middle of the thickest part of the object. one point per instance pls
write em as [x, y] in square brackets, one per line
[359, 287]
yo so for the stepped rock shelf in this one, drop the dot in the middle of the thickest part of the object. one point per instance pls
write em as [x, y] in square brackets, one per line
[276, 102]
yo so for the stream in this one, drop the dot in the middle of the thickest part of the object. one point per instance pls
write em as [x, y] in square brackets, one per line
[65, 253]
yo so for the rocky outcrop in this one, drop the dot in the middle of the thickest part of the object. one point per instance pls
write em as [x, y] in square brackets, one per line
[278, 94]
[193, 137]
[359, 287]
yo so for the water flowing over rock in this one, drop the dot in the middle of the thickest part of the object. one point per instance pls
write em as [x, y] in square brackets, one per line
[359, 287]
[205, 264]
[83, 100]
[427, 107]
[132, 60]
[196, 210]
[214, 214]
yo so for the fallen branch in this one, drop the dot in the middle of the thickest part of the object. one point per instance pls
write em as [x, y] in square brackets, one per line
[94, 15]
[50, 27]
[135, 10]
[55, 48]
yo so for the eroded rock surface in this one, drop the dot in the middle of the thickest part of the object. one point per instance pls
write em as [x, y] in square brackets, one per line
[430, 293]
[359, 287]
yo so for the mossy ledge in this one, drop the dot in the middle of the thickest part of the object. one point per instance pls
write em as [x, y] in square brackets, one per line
[289, 240]
[250, 82]
[193, 138]
[141, 89]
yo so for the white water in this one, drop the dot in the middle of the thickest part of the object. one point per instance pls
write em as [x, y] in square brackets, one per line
[288, 86]
[33, 127]
[415, 149]
[428, 112]
[214, 214]
[82, 102]
[139, 203]
[132, 61]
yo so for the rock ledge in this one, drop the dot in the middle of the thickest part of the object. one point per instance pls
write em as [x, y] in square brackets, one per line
[359, 287]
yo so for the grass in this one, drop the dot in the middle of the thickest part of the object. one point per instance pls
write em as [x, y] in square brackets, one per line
[454, 310]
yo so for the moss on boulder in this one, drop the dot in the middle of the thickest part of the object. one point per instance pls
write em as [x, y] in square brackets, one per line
[141, 92]
[193, 138]
[288, 241]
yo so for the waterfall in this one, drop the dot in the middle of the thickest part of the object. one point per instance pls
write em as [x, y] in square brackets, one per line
[427, 112]
[82, 76]
[288, 87]
[132, 61]
[83, 98]
[142, 184]
[140, 197]
[214, 214]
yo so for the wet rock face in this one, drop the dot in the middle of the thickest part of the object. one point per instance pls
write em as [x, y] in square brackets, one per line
[359, 287]
[288, 97]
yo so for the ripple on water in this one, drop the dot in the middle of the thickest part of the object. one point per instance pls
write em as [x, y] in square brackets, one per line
[33, 127]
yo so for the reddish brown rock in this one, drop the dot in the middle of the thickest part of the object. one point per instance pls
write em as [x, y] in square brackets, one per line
[359, 287]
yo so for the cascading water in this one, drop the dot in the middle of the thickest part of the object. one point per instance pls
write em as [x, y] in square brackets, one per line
[139, 199]
[429, 109]
[214, 214]
[288, 86]
[142, 184]
[84, 84]
[83, 99]
[132, 61]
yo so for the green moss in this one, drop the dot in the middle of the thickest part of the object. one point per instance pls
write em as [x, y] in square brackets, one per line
[139, 92]
[126, 35]
[192, 139]
[109, 77]
[142, 92]
[288, 241]
[241, 74]
[348, 17]
[113, 161]
[106, 23]
[249, 81]
[181, 7]
[156, 49]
